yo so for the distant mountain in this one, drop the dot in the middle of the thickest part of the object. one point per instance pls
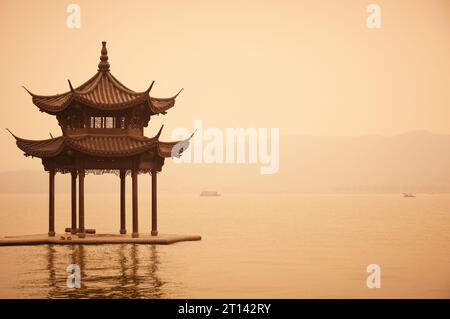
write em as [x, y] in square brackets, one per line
[416, 162]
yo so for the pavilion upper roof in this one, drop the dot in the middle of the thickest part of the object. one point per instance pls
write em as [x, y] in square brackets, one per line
[103, 92]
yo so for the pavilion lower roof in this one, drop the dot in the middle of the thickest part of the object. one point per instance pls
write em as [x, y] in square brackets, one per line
[101, 145]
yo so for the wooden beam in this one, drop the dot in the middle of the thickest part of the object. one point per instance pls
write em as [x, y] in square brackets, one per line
[86, 230]
[123, 229]
[134, 187]
[81, 231]
[154, 204]
[74, 202]
[51, 203]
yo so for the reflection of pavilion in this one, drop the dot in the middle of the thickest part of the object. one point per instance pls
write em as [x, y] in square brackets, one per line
[126, 275]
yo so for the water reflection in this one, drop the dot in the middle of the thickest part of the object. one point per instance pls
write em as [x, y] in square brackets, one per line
[107, 271]
[51, 265]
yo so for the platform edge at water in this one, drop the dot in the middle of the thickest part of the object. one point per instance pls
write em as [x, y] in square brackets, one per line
[98, 239]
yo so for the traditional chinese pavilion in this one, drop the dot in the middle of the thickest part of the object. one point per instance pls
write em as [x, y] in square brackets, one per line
[102, 123]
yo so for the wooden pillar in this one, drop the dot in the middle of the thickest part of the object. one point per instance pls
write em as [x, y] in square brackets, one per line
[134, 187]
[123, 229]
[81, 231]
[74, 202]
[154, 205]
[51, 202]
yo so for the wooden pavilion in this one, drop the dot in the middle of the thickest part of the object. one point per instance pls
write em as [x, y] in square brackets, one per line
[102, 123]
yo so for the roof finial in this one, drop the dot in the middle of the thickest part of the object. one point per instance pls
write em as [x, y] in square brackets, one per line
[103, 65]
[70, 85]
[150, 87]
[178, 92]
[160, 131]
[28, 91]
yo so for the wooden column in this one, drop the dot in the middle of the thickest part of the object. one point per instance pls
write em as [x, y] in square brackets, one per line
[134, 187]
[51, 203]
[154, 205]
[123, 229]
[81, 231]
[74, 202]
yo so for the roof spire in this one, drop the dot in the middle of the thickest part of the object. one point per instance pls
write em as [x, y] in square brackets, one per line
[103, 65]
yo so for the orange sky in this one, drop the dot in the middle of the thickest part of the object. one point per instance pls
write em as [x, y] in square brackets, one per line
[308, 67]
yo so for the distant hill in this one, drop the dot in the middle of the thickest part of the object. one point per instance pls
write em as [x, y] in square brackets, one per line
[417, 162]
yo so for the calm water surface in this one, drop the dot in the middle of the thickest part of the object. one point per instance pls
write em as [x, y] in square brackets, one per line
[254, 246]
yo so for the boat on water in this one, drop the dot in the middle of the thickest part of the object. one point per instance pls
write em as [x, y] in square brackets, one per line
[408, 195]
[210, 193]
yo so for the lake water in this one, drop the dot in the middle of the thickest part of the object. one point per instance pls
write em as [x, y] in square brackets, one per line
[253, 246]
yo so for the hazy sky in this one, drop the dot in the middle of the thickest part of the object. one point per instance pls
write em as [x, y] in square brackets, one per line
[308, 67]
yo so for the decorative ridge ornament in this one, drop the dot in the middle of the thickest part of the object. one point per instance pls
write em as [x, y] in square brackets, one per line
[103, 65]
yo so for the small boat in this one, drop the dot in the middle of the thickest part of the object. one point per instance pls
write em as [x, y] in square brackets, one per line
[408, 195]
[209, 193]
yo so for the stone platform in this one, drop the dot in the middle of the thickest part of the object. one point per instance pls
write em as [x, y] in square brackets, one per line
[97, 239]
